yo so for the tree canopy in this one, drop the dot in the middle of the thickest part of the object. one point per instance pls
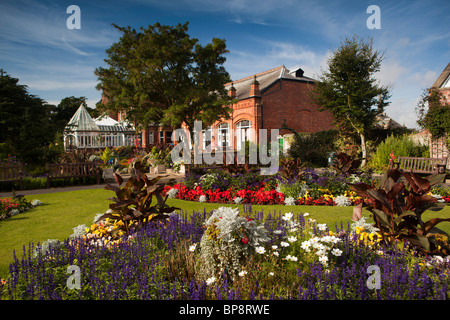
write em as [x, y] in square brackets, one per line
[434, 113]
[162, 75]
[349, 90]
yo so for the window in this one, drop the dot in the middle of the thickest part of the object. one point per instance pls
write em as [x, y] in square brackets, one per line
[151, 137]
[207, 138]
[224, 136]
[168, 136]
[243, 132]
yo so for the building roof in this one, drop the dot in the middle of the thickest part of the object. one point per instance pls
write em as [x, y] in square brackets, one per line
[106, 123]
[82, 121]
[266, 79]
[385, 122]
[443, 78]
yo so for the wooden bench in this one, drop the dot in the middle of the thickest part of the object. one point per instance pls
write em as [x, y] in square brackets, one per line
[72, 170]
[12, 173]
[422, 165]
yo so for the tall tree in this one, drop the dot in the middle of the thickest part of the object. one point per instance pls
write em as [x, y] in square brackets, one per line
[25, 124]
[162, 75]
[349, 89]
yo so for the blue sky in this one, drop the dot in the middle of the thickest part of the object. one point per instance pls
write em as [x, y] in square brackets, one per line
[55, 62]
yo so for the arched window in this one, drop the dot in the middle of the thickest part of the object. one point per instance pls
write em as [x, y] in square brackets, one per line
[243, 132]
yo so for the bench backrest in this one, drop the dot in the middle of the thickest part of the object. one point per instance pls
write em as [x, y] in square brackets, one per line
[422, 165]
[66, 170]
[10, 173]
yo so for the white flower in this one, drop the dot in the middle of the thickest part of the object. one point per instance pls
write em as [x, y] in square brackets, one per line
[342, 201]
[291, 258]
[36, 202]
[323, 259]
[275, 253]
[210, 281]
[277, 232]
[271, 274]
[306, 214]
[289, 201]
[337, 252]
[237, 200]
[322, 226]
[275, 247]
[202, 198]
[172, 193]
[292, 239]
[287, 216]
[321, 253]
[242, 273]
[284, 244]
[192, 247]
[311, 220]
[260, 250]
[305, 245]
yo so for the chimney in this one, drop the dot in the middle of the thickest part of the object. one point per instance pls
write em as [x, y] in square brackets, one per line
[254, 88]
[232, 91]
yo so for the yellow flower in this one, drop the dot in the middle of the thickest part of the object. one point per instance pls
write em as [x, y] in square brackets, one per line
[359, 229]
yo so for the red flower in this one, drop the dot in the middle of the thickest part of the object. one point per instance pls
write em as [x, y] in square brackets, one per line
[245, 240]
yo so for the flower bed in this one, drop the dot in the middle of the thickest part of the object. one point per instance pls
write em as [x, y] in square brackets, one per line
[293, 258]
[11, 206]
[317, 189]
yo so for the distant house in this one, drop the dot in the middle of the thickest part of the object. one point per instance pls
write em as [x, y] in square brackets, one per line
[83, 132]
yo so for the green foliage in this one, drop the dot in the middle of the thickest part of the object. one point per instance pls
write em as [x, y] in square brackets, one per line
[133, 202]
[313, 147]
[400, 146]
[349, 89]
[397, 206]
[434, 113]
[160, 74]
[106, 155]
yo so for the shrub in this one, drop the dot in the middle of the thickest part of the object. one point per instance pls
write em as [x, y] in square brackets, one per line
[401, 146]
[229, 240]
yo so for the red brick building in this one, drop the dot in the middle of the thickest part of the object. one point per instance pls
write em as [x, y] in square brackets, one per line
[266, 100]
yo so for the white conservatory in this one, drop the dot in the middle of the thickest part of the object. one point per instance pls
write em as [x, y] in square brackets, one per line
[83, 132]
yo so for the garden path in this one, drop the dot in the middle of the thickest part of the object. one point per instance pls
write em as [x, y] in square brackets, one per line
[177, 177]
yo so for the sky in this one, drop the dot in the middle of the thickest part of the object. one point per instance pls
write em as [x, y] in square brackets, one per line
[54, 61]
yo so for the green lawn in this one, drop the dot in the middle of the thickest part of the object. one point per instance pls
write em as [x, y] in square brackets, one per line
[63, 211]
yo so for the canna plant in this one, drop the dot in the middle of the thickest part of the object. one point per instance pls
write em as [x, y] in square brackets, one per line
[291, 169]
[345, 164]
[134, 201]
[397, 204]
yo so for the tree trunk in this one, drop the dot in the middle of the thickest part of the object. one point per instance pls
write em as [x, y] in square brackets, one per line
[363, 150]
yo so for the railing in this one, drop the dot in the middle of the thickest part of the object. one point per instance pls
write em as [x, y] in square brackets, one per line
[12, 173]
[71, 170]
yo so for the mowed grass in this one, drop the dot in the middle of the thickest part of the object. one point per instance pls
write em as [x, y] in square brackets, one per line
[63, 211]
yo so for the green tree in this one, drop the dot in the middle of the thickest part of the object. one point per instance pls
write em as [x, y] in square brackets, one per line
[25, 120]
[349, 90]
[434, 113]
[162, 75]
